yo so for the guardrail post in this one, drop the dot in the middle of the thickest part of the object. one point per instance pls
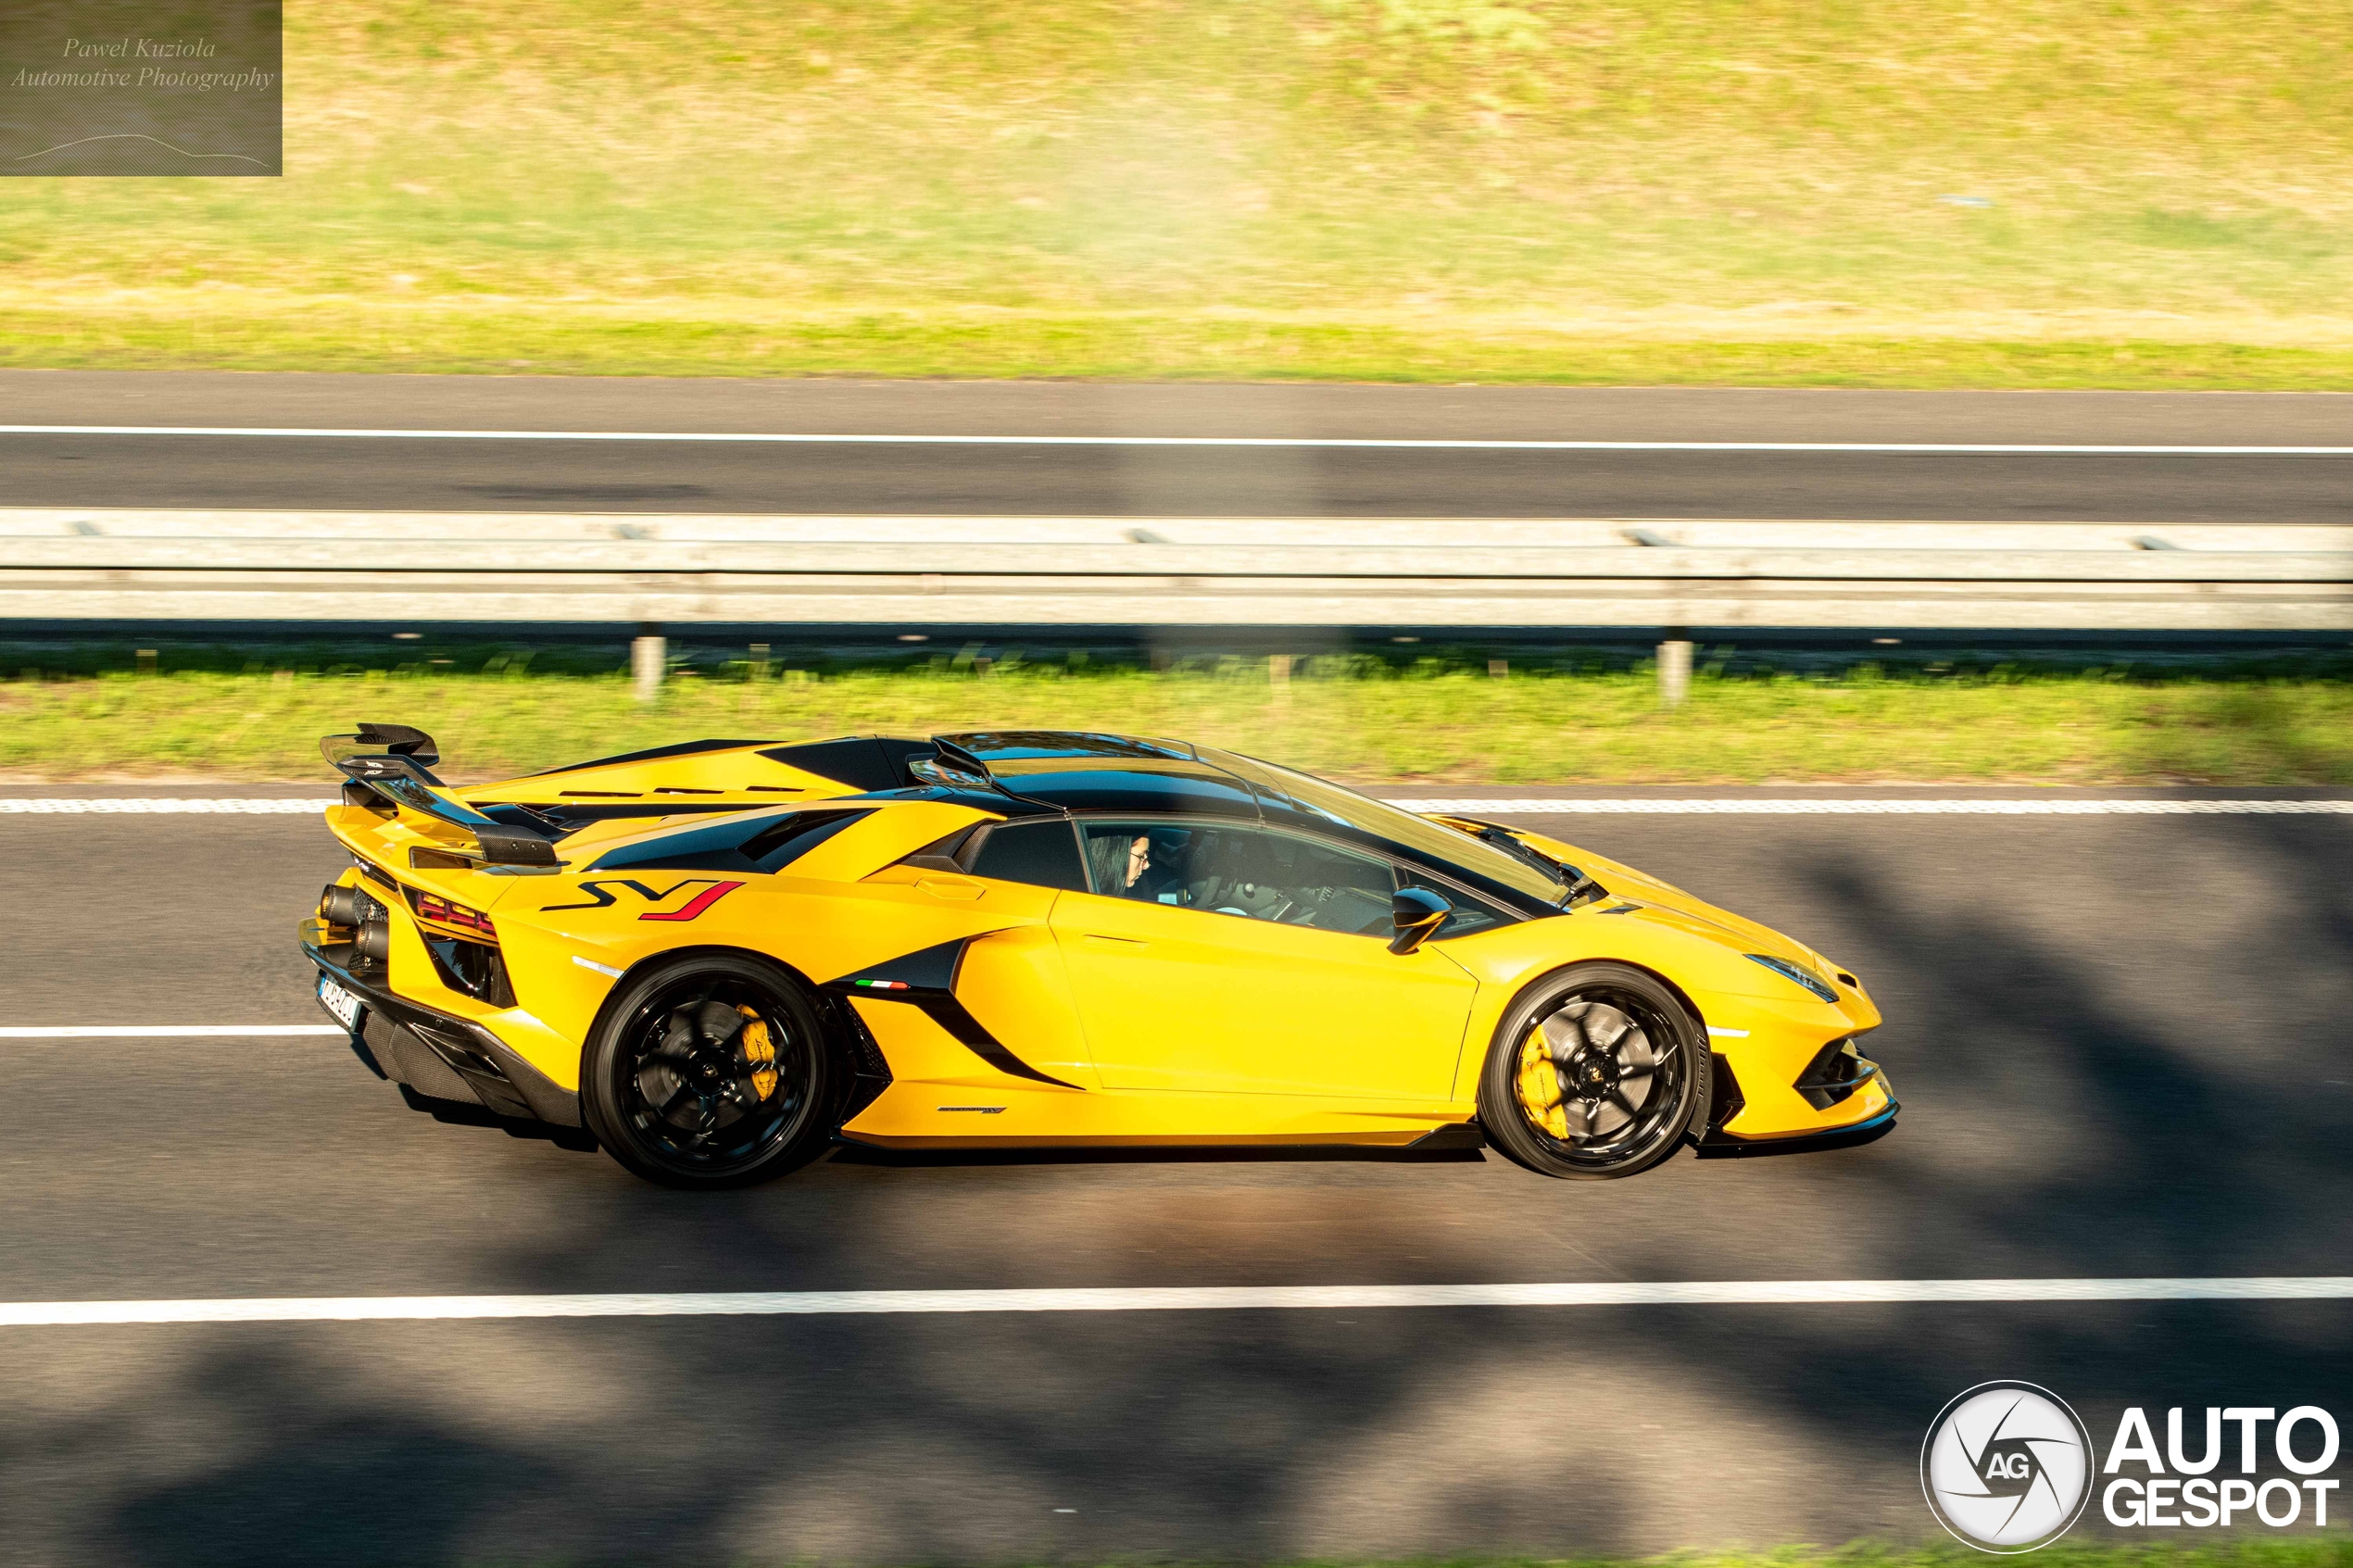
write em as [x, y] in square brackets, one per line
[648, 655]
[1674, 668]
[1278, 678]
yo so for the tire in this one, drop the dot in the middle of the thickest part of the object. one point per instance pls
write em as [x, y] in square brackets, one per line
[1597, 1070]
[710, 1070]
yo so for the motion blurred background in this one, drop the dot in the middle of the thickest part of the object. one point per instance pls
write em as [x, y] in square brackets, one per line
[2058, 194]
[2114, 1010]
[1981, 192]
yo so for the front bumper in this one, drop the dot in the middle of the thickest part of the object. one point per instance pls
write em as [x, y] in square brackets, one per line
[1756, 1103]
[1790, 1069]
[436, 1054]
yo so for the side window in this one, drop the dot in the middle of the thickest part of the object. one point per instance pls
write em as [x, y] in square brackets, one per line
[1249, 871]
[1143, 860]
[1042, 854]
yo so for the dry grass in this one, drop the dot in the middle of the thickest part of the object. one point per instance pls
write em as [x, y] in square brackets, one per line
[1697, 189]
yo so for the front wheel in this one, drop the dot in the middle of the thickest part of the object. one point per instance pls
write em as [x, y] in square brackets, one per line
[709, 1072]
[1596, 1072]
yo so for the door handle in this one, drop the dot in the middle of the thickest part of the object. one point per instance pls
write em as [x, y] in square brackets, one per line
[953, 887]
[1115, 944]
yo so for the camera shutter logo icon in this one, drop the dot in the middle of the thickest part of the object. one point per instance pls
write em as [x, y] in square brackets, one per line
[2006, 1467]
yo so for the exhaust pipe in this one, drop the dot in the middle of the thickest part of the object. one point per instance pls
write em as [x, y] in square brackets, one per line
[341, 906]
[353, 911]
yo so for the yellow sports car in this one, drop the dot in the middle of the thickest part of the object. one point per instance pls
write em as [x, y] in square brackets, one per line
[720, 957]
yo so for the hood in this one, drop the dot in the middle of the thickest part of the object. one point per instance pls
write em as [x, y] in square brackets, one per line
[1664, 903]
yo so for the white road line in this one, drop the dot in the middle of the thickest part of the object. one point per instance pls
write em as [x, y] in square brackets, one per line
[151, 807]
[1535, 805]
[162, 1030]
[1737, 806]
[810, 439]
[1720, 1293]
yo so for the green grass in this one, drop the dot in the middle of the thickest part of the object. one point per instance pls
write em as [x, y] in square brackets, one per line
[2247, 1551]
[2235, 1550]
[1727, 190]
[2239, 1551]
[541, 340]
[1353, 721]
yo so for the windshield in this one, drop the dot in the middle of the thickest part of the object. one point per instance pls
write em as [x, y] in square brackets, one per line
[1419, 836]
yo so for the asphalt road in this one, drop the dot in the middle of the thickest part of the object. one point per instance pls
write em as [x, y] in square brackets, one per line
[204, 471]
[2119, 1043]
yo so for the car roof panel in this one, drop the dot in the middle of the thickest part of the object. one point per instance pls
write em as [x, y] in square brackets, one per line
[1160, 791]
[993, 747]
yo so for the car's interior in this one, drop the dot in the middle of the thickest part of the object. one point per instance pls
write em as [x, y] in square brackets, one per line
[1242, 870]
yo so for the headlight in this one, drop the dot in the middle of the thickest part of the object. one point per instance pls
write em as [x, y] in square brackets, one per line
[1798, 973]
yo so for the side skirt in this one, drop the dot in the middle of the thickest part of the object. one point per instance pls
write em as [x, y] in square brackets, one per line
[1161, 1140]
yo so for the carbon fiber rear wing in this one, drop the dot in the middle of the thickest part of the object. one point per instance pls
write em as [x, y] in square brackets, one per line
[398, 774]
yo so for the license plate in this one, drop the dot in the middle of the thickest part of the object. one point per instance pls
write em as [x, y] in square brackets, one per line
[340, 1002]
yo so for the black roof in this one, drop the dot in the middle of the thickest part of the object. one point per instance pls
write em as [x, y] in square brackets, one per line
[1088, 770]
[1149, 785]
[1056, 770]
[1010, 746]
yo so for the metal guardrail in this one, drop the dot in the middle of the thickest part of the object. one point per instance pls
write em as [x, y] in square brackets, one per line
[683, 569]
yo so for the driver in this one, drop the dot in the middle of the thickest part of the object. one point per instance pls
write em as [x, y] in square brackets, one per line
[1155, 865]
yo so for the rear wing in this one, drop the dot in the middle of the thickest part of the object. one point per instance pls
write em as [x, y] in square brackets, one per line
[397, 773]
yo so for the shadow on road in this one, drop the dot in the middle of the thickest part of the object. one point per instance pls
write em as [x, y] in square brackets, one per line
[2113, 1042]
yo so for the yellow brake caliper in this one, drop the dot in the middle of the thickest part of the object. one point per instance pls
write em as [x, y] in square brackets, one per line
[760, 1051]
[1540, 1085]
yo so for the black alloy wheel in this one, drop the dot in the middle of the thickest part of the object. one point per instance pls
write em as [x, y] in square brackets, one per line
[1597, 1070]
[709, 1072]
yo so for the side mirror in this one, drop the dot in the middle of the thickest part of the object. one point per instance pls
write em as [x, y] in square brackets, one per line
[1415, 912]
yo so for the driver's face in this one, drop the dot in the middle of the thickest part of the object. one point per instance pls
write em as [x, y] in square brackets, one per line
[1139, 855]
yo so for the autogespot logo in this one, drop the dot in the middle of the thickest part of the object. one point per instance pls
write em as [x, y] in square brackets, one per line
[2006, 1467]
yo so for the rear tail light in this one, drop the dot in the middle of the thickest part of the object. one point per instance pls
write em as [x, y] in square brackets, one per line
[472, 963]
[447, 911]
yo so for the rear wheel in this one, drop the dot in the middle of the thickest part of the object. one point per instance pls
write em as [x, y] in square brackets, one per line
[1596, 1072]
[709, 1072]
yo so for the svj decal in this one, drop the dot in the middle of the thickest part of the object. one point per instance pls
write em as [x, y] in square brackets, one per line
[601, 896]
